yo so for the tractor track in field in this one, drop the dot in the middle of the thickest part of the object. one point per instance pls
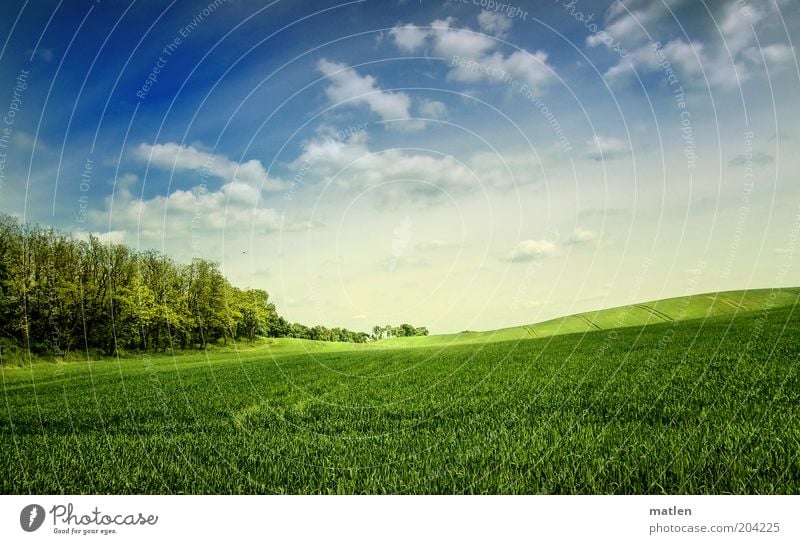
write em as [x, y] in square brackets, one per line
[588, 321]
[729, 302]
[654, 312]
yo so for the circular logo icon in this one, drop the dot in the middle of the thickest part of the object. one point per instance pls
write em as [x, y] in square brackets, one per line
[31, 517]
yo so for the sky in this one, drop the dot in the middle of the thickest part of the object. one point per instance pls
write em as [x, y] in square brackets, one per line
[461, 164]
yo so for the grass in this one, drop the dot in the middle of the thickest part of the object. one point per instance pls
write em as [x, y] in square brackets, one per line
[705, 405]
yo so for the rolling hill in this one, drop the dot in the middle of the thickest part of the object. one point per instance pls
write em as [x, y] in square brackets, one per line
[702, 306]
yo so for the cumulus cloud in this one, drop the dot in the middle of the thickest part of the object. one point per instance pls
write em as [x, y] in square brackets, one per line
[627, 23]
[582, 236]
[494, 23]
[688, 58]
[772, 55]
[350, 87]
[433, 109]
[724, 61]
[448, 41]
[351, 165]
[474, 56]
[233, 206]
[184, 220]
[173, 156]
[606, 148]
[531, 250]
[108, 237]
[408, 38]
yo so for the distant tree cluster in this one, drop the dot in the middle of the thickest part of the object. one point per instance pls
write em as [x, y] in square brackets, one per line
[390, 331]
[318, 332]
[59, 294]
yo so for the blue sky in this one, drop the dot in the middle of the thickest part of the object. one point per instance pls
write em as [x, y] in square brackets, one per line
[459, 164]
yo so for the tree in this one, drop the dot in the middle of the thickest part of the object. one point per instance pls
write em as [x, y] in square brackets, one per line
[255, 311]
[59, 293]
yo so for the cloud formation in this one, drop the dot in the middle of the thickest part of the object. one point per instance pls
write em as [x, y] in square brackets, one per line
[480, 52]
[582, 236]
[352, 165]
[182, 158]
[408, 38]
[530, 250]
[433, 109]
[494, 23]
[724, 59]
[349, 87]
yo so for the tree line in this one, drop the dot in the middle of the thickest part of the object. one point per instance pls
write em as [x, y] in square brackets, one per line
[59, 294]
[390, 331]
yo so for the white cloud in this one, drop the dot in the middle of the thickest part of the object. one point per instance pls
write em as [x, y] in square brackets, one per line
[408, 38]
[185, 221]
[529, 250]
[352, 165]
[688, 59]
[494, 23]
[449, 41]
[627, 23]
[692, 62]
[173, 156]
[529, 68]
[724, 61]
[347, 85]
[775, 54]
[433, 109]
[108, 237]
[606, 148]
[737, 25]
[582, 236]
[474, 57]
[233, 206]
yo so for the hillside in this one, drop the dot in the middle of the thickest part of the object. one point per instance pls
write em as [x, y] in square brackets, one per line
[700, 306]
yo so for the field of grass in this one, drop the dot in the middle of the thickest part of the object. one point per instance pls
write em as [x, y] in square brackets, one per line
[663, 405]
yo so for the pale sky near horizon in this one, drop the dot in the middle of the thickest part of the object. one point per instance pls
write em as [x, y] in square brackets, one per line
[426, 162]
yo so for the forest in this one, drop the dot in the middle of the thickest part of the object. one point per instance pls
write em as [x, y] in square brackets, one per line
[59, 294]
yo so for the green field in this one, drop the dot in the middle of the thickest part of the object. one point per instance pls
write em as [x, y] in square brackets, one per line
[691, 395]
